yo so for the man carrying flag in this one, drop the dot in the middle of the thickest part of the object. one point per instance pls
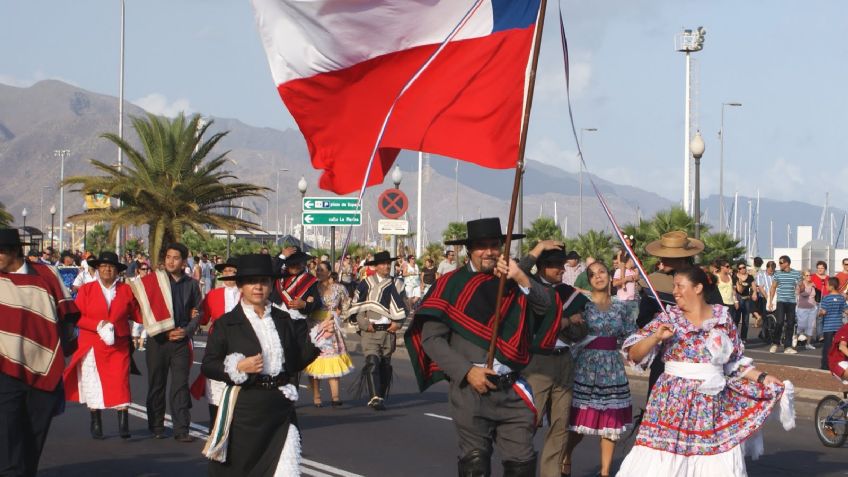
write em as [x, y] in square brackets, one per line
[449, 338]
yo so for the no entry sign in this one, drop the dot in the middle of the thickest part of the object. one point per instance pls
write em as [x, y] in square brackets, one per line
[392, 203]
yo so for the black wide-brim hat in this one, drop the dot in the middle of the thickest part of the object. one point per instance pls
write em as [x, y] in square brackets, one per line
[552, 257]
[11, 238]
[381, 257]
[297, 257]
[231, 262]
[255, 265]
[482, 229]
[108, 258]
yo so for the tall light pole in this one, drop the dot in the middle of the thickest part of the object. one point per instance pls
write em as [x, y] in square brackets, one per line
[697, 148]
[41, 209]
[580, 160]
[301, 186]
[118, 235]
[397, 176]
[52, 223]
[418, 239]
[24, 214]
[277, 207]
[721, 169]
[61, 154]
[688, 41]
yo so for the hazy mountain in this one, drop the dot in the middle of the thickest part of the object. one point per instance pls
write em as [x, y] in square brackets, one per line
[52, 115]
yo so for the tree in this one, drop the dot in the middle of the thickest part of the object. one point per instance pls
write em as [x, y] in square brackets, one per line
[721, 245]
[595, 244]
[540, 229]
[6, 218]
[171, 185]
[436, 251]
[455, 231]
[97, 240]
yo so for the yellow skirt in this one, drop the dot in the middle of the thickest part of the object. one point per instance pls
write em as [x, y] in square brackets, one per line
[330, 366]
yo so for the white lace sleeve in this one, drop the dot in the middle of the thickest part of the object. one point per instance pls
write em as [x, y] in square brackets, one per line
[231, 367]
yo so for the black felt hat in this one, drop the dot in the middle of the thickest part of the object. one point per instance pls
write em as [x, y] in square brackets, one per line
[11, 238]
[108, 258]
[231, 262]
[381, 257]
[255, 265]
[482, 229]
[297, 257]
[556, 256]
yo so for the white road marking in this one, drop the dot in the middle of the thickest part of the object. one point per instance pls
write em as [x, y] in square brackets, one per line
[202, 432]
[438, 416]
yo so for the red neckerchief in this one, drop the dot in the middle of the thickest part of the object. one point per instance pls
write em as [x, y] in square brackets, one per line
[294, 286]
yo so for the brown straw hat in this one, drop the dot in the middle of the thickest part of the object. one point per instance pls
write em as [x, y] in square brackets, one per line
[675, 244]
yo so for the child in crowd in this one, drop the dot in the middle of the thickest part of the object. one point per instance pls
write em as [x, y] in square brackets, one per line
[832, 309]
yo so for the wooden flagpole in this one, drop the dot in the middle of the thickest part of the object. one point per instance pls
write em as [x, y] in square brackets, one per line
[519, 171]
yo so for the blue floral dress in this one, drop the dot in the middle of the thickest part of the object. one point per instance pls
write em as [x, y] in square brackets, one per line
[601, 404]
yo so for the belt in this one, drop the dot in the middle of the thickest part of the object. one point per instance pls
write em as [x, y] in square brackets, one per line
[503, 381]
[381, 327]
[264, 381]
[606, 343]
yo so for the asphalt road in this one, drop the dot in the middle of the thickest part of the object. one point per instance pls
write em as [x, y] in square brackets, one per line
[414, 437]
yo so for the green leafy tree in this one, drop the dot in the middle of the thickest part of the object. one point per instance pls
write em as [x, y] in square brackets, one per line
[540, 229]
[6, 218]
[173, 183]
[598, 245]
[98, 240]
[673, 219]
[435, 251]
[134, 245]
[721, 245]
[455, 231]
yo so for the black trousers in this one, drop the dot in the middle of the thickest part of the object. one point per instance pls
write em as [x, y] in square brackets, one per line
[25, 416]
[164, 357]
[828, 342]
[785, 315]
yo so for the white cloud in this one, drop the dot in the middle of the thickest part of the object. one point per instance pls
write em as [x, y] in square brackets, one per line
[550, 82]
[158, 104]
[548, 151]
[37, 76]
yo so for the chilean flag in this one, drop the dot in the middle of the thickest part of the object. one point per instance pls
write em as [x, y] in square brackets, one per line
[340, 64]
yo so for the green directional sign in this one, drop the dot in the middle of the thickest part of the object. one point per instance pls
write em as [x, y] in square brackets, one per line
[332, 218]
[331, 204]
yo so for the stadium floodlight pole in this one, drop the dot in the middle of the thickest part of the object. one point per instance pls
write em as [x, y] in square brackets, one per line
[61, 154]
[418, 239]
[519, 170]
[688, 42]
[580, 163]
[721, 169]
[118, 234]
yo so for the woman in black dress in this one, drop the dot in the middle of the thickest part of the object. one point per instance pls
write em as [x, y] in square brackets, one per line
[257, 350]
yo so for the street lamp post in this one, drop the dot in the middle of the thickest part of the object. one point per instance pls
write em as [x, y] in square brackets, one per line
[721, 169]
[687, 42]
[697, 148]
[61, 154]
[24, 214]
[41, 209]
[277, 227]
[301, 186]
[84, 229]
[52, 223]
[397, 176]
[580, 158]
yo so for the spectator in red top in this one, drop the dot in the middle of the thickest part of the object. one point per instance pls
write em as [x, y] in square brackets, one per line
[819, 280]
[843, 276]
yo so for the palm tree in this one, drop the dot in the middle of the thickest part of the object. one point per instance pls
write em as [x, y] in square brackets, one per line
[721, 245]
[455, 231]
[540, 229]
[673, 219]
[172, 184]
[595, 244]
[435, 251]
[5, 217]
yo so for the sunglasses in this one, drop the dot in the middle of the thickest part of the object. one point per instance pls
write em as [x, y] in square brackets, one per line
[144, 268]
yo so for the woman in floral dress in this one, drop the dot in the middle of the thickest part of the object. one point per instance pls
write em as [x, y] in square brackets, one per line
[334, 362]
[601, 404]
[710, 399]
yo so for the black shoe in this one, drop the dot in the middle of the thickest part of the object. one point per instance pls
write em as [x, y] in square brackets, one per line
[124, 424]
[96, 425]
[159, 434]
[184, 438]
[336, 403]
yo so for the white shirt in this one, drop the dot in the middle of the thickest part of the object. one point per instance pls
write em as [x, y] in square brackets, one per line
[108, 293]
[23, 270]
[85, 277]
[269, 339]
[231, 298]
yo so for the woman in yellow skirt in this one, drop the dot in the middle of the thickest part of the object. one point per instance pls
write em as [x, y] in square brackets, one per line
[334, 361]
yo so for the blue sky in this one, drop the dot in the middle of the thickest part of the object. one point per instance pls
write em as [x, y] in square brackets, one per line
[784, 60]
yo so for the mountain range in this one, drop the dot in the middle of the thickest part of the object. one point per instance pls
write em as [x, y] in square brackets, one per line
[51, 115]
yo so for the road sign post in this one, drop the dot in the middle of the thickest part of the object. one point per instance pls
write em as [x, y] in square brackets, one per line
[332, 211]
[332, 218]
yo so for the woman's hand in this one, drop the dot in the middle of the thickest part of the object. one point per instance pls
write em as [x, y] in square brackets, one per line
[772, 380]
[663, 333]
[252, 365]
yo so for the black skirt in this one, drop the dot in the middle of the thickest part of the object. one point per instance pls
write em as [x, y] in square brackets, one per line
[261, 421]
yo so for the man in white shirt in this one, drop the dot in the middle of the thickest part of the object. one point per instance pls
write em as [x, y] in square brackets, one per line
[448, 264]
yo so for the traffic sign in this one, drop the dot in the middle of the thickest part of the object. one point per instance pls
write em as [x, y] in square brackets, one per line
[392, 227]
[392, 203]
[331, 204]
[332, 218]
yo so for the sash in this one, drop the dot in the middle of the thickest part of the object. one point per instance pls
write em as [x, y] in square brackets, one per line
[567, 301]
[153, 293]
[219, 436]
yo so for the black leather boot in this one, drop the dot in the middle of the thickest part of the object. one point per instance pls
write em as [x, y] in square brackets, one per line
[475, 464]
[520, 469]
[371, 372]
[124, 423]
[385, 377]
[96, 425]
